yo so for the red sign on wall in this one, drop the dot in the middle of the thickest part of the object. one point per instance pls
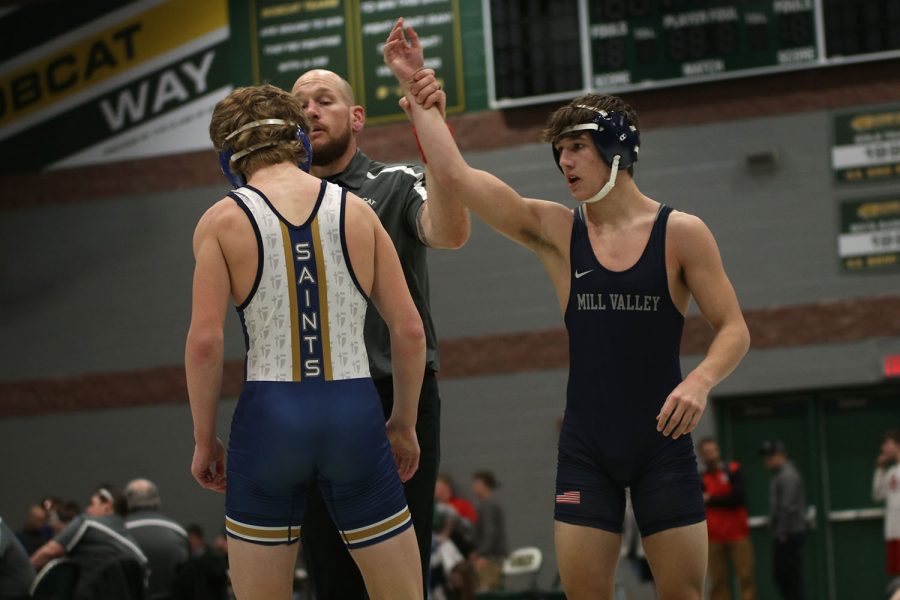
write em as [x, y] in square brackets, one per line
[892, 365]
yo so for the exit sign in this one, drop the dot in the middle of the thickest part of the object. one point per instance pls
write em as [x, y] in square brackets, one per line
[892, 365]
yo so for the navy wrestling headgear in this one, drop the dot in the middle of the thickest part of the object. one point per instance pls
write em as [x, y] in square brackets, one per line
[228, 156]
[617, 140]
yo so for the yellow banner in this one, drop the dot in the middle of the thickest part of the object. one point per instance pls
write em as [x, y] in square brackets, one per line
[104, 54]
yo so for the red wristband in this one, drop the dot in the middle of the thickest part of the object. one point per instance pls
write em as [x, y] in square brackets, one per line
[419, 146]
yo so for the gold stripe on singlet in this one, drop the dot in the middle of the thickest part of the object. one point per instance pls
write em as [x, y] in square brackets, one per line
[323, 297]
[292, 291]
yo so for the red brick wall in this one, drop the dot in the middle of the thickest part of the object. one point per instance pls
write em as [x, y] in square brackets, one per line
[822, 323]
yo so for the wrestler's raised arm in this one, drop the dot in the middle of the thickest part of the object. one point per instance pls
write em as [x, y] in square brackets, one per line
[536, 224]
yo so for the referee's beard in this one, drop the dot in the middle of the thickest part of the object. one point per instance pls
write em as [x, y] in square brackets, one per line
[330, 151]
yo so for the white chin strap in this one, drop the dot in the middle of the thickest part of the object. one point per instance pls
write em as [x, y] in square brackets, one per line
[609, 184]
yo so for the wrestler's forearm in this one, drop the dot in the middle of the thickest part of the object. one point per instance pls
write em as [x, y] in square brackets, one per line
[445, 220]
[446, 166]
[408, 369]
[728, 348]
[204, 353]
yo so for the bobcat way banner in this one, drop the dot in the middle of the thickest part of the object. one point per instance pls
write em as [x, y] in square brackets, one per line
[109, 80]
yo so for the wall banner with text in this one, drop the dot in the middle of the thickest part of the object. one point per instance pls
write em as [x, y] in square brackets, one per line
[108, 80]
[866, 144]
[869, 238]
[290, 37]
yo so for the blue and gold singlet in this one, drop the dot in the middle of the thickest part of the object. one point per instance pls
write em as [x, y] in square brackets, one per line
[308, 409]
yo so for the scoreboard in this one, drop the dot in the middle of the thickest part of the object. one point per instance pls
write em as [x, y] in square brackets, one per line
[671, 40]
[542, 50]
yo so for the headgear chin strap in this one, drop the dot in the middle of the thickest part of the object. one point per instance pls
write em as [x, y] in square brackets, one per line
[228, 156]
[616, 139]
[608, 186]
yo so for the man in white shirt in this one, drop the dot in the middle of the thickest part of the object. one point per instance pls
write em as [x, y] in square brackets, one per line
[886, 488]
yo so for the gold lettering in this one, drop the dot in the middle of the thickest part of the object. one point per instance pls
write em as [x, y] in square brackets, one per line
[293, 8]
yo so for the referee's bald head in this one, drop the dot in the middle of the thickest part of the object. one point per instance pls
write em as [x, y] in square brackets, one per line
[323, 78]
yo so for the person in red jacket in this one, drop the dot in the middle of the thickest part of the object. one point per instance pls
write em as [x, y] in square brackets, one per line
[726, 522]
[445, 491]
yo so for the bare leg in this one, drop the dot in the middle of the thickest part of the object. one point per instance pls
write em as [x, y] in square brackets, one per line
[392, 569]
[678, 558]
[719, 586]
[742, 559]
[587, 560]
[261, 572]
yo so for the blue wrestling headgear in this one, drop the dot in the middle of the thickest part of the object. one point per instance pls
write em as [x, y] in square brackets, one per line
[617, 140]
[228, 156]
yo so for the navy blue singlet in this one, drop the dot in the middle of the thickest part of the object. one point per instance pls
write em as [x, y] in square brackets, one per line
[624, 340]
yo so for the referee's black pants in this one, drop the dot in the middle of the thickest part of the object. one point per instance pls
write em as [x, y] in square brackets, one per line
[333, 573]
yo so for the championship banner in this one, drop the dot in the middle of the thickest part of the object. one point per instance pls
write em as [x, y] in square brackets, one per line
[109, 80]
[866, 145]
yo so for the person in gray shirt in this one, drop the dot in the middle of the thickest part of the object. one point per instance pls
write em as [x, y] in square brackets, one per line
[787, 509]
[163, 541]
[94, 539]
[490, 532]
[16, 572]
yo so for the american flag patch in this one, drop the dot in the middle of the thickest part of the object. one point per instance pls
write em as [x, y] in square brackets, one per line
[569, 498]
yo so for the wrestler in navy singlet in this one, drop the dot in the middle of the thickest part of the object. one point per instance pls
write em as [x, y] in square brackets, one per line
[624, 340]
[308, 409]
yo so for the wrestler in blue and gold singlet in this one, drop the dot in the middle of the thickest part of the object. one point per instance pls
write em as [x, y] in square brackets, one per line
[308, 409]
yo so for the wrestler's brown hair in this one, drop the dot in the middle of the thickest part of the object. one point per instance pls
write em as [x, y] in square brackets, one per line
[248, 104]
[571, 114]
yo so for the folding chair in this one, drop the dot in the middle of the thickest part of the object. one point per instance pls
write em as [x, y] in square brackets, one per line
[523, 561]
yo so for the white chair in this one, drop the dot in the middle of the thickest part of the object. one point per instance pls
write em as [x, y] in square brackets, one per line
[523, 561]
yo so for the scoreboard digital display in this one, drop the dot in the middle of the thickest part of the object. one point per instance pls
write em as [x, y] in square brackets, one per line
[643, 41]
[860, 27]
[627, 45]
[537, 48]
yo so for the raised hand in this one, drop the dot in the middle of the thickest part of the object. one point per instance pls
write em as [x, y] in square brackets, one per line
[404, 58]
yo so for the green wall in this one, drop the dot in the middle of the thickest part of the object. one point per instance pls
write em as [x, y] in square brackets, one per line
[833, 438]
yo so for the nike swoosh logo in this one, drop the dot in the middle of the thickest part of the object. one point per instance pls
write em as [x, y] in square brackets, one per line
[582, 274]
